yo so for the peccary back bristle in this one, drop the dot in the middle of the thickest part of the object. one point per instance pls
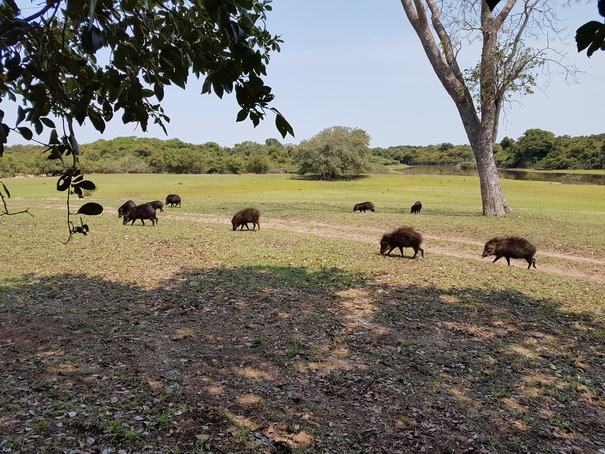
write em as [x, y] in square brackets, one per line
[173, 200]
[363, 207]
[125, 207]
[142, 212]
[244, 217]
[511, 247]
[401, 237]
[158, 205]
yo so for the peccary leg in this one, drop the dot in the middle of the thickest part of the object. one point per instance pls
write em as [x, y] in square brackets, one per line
[507, 260]
[498, 257]
[401, 249]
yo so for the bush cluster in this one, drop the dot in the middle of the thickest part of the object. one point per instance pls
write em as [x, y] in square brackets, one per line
[536, 149]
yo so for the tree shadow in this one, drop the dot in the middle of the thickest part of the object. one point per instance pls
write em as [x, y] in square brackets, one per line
[261, 357]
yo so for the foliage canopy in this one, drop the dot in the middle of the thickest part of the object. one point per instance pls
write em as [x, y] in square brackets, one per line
[93, 59]
[334, 152]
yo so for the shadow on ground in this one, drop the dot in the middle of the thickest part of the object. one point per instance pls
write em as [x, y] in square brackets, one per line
[278, 359]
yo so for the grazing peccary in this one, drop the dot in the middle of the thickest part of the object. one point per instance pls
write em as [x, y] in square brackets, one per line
[173, 200]
[364, 206]
[416, 207]
[245, 216]
[157, 205]
[399, 238]
[124, 208]
[142, 212]
[511, 247]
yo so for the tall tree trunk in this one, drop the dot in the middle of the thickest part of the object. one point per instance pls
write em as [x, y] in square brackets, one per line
[481, 138]
[492, 195]
[480, 131]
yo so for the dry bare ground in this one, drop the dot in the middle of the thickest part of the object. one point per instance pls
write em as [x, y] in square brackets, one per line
[227, 361]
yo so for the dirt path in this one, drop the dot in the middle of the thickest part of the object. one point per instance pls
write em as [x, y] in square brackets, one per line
[584, 268]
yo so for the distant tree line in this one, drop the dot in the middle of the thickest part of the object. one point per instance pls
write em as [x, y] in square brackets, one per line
[148, 155]
[539, 149]
[333, 152]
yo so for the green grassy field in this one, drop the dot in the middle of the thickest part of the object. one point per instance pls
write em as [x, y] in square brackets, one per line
[189, 336]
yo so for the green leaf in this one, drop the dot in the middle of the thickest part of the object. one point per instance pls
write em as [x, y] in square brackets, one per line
[92, 39]
[54, 138]
[38, 126]
[63, 182]
[26, 133]
[597, 42]
[91, 209]
[48, 122]
[20, 115]
[158, 89]
[283, 126]
[8, 194]
[96, 120]
[242, 115]
[586, 34]
[86, 184]
[207, 86]
[91, 11]
[212, 9]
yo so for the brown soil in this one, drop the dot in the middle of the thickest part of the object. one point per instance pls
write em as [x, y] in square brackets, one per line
[228, 361]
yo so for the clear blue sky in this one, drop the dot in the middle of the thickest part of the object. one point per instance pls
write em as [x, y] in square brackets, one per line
[359, 64]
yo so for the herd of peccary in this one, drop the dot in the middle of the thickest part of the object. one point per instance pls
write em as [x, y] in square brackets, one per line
[509, 247]
[130, 211]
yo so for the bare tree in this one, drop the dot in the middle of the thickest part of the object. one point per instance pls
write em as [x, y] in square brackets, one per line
[506, 66]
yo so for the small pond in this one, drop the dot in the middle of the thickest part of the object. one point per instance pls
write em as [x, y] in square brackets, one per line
[555, 177]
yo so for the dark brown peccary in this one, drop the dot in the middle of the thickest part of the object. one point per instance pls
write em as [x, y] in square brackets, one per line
[124, 208]
[173, 200]
[416, 207]
[364, 206]
[246, 216]
[399, 238]
[142, 212]
[158, 205]
[511, 247]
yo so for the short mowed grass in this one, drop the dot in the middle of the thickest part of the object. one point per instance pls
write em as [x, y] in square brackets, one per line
[189, 337]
